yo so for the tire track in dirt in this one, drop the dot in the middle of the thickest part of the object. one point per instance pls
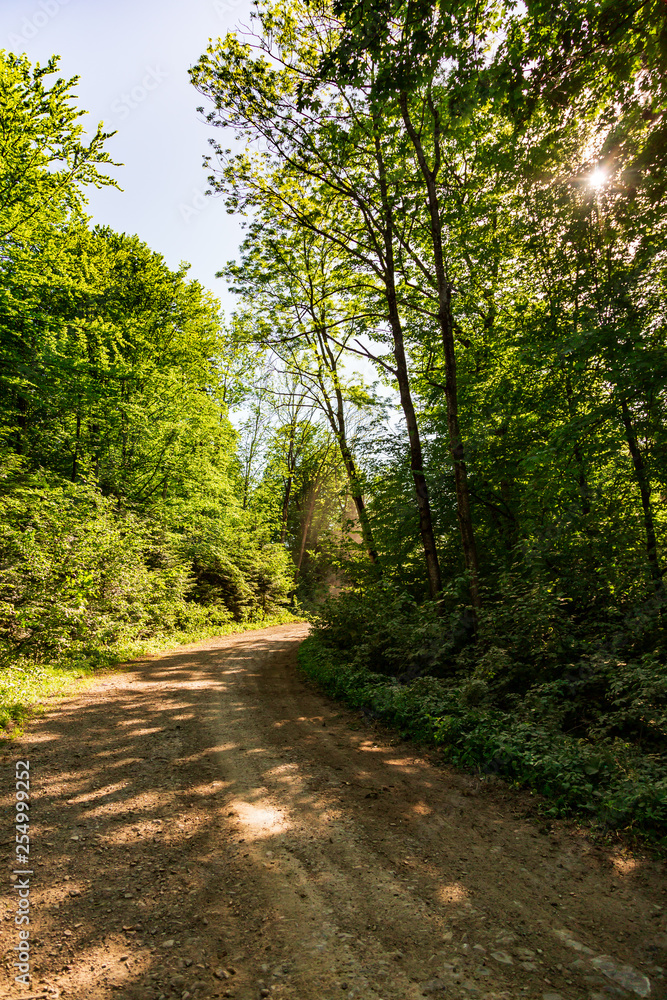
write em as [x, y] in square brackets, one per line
[205, 824]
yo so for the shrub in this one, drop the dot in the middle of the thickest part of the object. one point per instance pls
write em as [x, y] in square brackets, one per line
[72, 571]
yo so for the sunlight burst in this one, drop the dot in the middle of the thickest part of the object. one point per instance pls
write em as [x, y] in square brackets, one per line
[597, 178]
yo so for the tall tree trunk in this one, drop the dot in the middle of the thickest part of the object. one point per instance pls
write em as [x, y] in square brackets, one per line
[285, 510]
[403, 378]
[416, 455]
[446, 322]
[304, 536]
[641, 474]
[337, 423]
[358, 499]
[289, 479]
[248, 472]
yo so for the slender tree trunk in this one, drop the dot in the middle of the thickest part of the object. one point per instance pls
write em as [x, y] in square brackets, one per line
[416, 455]
[248, 472]
[337, 422]
[251, 457]
[310, 510]
[403, 378]
[446, 321]
[246, 487]
[358, 499]
[289, 479]
[641, 473]
[285, 511]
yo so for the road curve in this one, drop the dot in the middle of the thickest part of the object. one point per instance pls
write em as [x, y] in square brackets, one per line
[206, 824]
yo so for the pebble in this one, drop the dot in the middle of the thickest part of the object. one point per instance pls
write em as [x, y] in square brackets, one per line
[627, 977]
[552, 996]
[571, 943]
[434, 986]
[168, 944]
[502, 957]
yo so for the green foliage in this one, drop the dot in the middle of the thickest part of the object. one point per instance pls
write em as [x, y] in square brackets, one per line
[43, 162]
[75, 574]
[25, 685]
[388, 631]
[238, 570]
[470, 198]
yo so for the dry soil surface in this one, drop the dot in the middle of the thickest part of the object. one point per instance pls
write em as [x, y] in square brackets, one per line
[206, 824]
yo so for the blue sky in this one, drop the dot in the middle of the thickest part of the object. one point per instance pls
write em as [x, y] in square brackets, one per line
[132, 59]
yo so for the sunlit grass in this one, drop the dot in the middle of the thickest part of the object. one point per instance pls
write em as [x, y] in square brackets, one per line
[25, 686]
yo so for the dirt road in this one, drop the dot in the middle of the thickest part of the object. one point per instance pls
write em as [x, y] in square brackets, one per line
[207, 825]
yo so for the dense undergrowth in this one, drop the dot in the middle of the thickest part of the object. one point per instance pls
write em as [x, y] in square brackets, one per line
[87, 583]
[585, 724]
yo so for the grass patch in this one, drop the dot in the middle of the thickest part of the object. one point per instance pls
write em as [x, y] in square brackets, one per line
[26, 685]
